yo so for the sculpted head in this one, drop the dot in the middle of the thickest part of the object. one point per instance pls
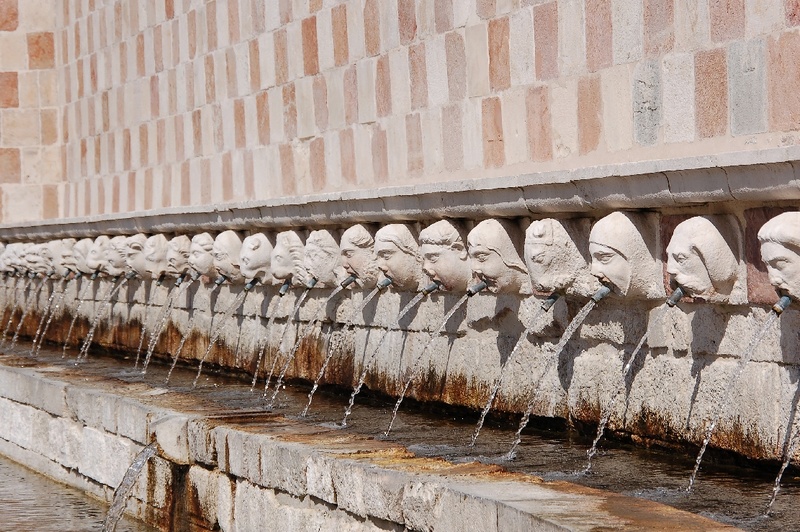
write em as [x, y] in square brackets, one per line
[780, 251]
[288, 258]
[116, 256]
[81, 253]
[10, 258]
[494, 257]
[554, 262]
[61, 251]
[621, 257]
[444, 255]
[37, 257]
[135, 259]
[155, 255]
[397, 256]
[357, 246]
[97, 260]
[701, 260]
[323, 259]
[178, 255]
[200, 258]
[254, 258]
[227, 247]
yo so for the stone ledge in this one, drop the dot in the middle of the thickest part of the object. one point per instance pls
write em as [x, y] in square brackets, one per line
[277, 463]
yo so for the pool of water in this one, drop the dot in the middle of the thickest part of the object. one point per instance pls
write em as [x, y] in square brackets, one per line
[733, 495]
[30, 501]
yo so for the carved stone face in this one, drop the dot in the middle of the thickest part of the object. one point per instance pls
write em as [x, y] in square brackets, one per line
[81, 253]
[322, 258]
[135, 258]
[780, 251]
[37, 258]
[97, 260]
[444, 256]
[494, 258]
[178, 255]
[155, 255]
[227, 247]
[356, 246]
[621, 258]
[397, 256]
[10, 258]
[254, 258]
[117, 255]
[200, 258]
[61, 251]
[288, 257]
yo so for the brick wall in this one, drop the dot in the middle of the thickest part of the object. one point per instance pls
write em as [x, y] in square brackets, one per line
[185, 102]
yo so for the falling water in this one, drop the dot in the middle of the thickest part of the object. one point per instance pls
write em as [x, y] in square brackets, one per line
[143, 333]
[28, 306]
[568, 332]
[723, 406]
[113, 289]
[291, 317]
[499, 381]
[329, 352]
[125, 488]
[52, 314]
[172, 296]
[75, 315]
[217, 331]
[601, 427]
[189, 328]
[263, 341]
[368, 362]
[306, 331]
[418, 359]
[46, 313]
[14, 308]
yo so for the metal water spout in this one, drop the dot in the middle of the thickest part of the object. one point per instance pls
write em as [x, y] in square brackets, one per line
[311, 282]
[782, 304]
[385, 283]
[431, 288]
[602, 292]
[676, 296]
[548, 303]
[350, 279]
[474, 289]
[284, 289]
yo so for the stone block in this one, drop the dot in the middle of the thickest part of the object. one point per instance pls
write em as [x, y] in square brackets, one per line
[748, 87]
[93, 408]
[628, 37]
[367, 491]
[647, 102]
[283, 466]
[104, 457]
[171, 433]
[678, 87]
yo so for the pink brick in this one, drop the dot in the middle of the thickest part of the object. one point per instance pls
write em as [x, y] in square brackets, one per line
[540, 139]
[255, 65]
[155, 94]
[289, 111]
[317, 164]
[792, 9]
[380, 155]
[10, 165]
[320, 102]
[230, 72]
[419, 76]
[285, 7]
[383, 87]
[727, 19]
[590, 112]
[262, 117]
[249, 175]
[281, 56]
[783, 71]
[143, 145]
[350, 95]
[372, 27]
[545, 32]
[41, 50]
[341, 50]
[492, 120]
[9, 15]
[499, 72]
[407, 20]
[158, 48]
[443, 15]
[186, 197]
[210, 83]
[599, 37]
[711, 92]
[347, 151]
[485, 8]
[211, 23]
[456, 65]
[659, 30]
[9, 90]
[416, 159]
[148, 190]
[227, 177]
[233, 21]
[310, 46]
[288, 181]
[239, 123]
[452, 142]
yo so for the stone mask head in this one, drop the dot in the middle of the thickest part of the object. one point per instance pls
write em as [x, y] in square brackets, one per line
[155, 255]
[494, 257]
[135, 259]
[621, 257]
[61, 251]
[555, 264]
[81, 253]
[357, 250]
[37, 258]
[780, 251]
[254, 258]
[97, 258]
[397, 256]
[444, 255]
[227, 247]
[200, 258]
[288, 258]
[178, 255]
[116, 256]
[323, 259]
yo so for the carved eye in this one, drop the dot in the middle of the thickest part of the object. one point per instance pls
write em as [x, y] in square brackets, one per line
[348, 254]
[604, 258]
[538, 258]
[481, 257]
[432, 258]
[255, 245]
[680, 258]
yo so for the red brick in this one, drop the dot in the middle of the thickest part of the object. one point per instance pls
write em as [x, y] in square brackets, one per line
[192, 26]
[317, 164]
[126, 148]
[9, 89]
[419, 75]
[599, 45]
[407, 20]
[486, 8]
[416, 159]
[161, 141]
[281, 56]
[499, 72]
[456, 65]
[186, 197]
[50, 128]
[158, 48]
[288, 181]
[240, 125]
[169, 8]
[41, 50]
[227, 177]
[383, 87]
[727, 19]
[144, 144]
[380, 156]
[255, 65]
[659, 31]
[492, 120]
[310, 46]
[443, 15]
[289, 111]
[545, 36]
[211, 23]
[540, 140]
[792, 9]
[372, 27]
[10, 165]
[711, 92]
[197, 132]
[233, 21]
[341, 48]
[350, 95]
[783, 71]
[115, 193]
[320, 88]
[9, 15]
[590, 109]
[262, 117]
[347, 151]
[148, 190]
[140, 55]
[452, 141]
[210, 79]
